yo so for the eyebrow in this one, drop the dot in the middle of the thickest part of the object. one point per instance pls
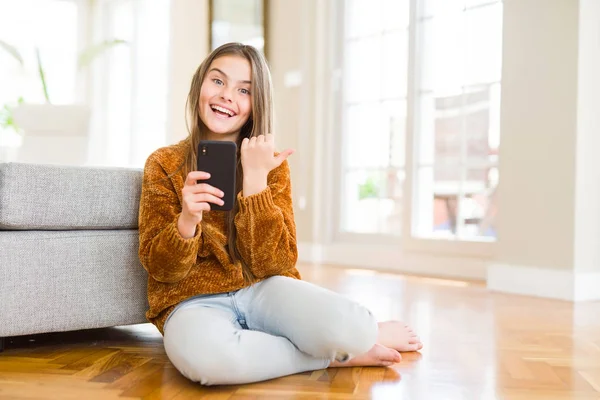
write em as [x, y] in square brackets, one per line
[225, 75]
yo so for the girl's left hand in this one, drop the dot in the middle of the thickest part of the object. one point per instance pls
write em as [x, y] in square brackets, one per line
[258, 157]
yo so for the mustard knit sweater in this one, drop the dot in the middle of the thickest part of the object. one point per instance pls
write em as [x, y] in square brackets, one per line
[180, 268]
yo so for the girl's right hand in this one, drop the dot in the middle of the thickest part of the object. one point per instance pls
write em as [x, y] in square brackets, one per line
[196, 198]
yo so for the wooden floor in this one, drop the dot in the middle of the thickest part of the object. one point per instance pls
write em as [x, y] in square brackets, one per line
[478, 345]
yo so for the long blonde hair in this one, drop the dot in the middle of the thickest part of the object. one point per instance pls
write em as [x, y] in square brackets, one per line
[259, 122]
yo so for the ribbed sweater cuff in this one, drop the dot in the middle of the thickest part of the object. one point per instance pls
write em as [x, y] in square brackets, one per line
[179, 243]
[257, 202]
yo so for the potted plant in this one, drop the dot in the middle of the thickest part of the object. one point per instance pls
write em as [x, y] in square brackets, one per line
[46, 123]
[47, 117]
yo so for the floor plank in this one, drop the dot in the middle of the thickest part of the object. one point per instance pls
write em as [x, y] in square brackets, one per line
[478, 345]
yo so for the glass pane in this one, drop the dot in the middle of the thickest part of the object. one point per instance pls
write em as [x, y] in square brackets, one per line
[50, 26]
[494, 131]
[479, 205]
[375, 135]
[437, 191]
[442, 44]
[478, 119]
[440, 130]
[395, 14]
[449, 130]
[442, 121]
[367, 141]
[483, 41]
[394, 122]
[363, 18]
[362, 70]
[395, 65]
[425, 129]
[436, 8]
[457, 117]
[237, 21]
[390, 205]
[373, 201]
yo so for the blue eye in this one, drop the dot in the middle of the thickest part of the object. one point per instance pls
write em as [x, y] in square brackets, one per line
[245, 91]
[218, 81]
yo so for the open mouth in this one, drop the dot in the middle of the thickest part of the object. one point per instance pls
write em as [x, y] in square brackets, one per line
[222, 111]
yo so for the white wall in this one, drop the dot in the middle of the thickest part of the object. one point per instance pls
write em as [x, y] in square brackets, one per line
[549, 227]
[538, 132]
[291, 58]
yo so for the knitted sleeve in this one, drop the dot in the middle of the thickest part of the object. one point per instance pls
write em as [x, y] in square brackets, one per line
[163, 252]
[266, 231]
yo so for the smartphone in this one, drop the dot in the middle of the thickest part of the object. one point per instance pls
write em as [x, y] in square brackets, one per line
[219, 159]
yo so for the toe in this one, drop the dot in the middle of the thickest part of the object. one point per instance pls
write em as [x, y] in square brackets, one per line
[392, 356]
[412, 347]
[415, 346]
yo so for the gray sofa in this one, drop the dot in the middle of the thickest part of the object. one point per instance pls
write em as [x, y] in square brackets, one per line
[69, 249]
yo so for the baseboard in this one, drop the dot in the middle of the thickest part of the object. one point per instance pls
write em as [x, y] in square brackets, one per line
[530, 281]
[310, 252]
[544, 282]
[391, 258]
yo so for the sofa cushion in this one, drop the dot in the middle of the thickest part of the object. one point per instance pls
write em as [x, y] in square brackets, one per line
[55, 197]
[68, 280]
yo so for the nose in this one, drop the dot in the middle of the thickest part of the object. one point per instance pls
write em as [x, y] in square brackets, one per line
[226, 94]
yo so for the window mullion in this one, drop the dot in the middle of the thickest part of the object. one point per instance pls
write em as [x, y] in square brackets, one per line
[410, 158]
[459, 221]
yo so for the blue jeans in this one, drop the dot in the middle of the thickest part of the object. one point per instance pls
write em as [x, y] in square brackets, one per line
[276, 327]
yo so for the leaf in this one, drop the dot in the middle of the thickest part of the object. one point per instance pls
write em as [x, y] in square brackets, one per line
[12, 51]
[42, 75]
[7, 120]
[87, 56]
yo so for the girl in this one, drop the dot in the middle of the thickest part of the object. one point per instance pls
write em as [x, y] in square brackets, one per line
[223, 288]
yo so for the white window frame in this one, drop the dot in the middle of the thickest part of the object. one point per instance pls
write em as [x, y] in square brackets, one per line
[337, 234]
[406, 241]
[410, 242]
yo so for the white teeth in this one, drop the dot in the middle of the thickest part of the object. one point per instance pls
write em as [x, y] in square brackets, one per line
[223, 110]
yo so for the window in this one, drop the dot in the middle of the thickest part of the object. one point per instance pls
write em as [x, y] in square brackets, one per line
[237, 21]
[454, 71]
[374, 99]
[130, 87]
[53, 29]
[457, 127]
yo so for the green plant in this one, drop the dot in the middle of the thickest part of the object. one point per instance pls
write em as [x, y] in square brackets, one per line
[12, 51]
[84, 59]
[368, 189]
[7, 122]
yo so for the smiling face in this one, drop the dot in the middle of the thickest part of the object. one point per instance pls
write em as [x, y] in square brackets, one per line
[225, 100]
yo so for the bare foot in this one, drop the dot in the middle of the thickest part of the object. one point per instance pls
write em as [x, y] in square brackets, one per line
[378, 356]
[398, 336]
